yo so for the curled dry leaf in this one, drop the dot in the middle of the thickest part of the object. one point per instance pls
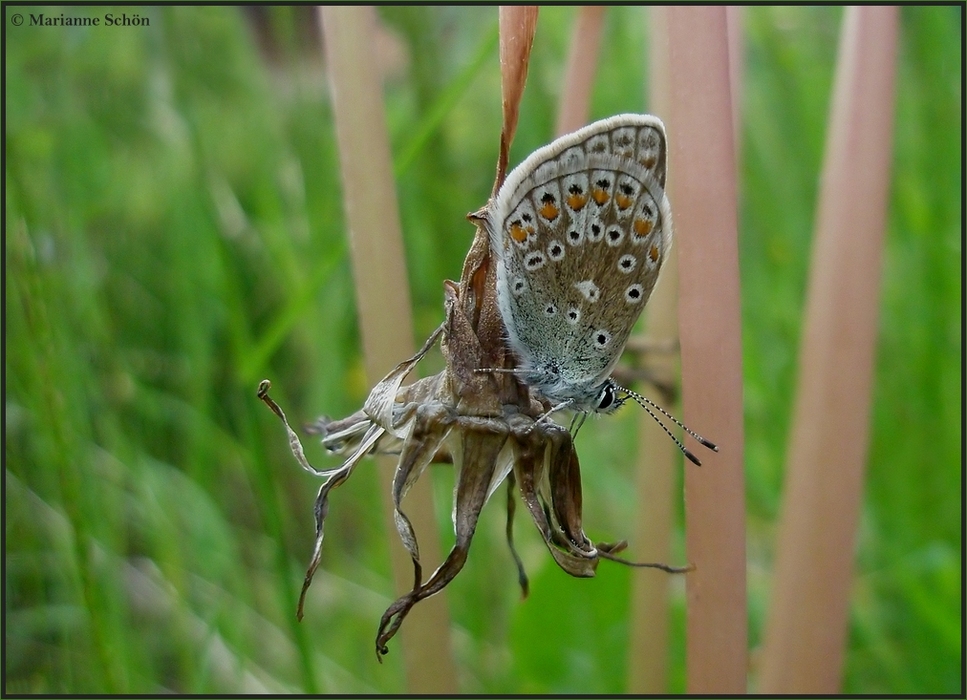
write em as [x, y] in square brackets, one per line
[486, 423]
[518, 24]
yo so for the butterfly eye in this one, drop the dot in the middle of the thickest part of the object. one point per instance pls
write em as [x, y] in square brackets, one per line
[607, 398]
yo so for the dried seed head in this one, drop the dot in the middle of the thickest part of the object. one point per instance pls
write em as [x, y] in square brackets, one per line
[485, 422]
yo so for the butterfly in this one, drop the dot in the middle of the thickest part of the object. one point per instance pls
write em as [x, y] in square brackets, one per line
[580, 231]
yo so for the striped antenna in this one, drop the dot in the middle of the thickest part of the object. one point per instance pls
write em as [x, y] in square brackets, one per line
[648, 404]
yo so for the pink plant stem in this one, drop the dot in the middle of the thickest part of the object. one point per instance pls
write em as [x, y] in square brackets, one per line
[806, 630]
[702, 159]
[383, 300]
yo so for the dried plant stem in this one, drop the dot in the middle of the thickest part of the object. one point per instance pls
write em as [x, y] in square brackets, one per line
[518, 23]
[807, 625]
[703, 160]
[382, 296]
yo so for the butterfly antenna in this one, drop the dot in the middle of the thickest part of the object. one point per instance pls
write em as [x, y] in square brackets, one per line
[648, 404]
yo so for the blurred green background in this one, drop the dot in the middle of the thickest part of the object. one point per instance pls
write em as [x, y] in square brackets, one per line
[174, 234]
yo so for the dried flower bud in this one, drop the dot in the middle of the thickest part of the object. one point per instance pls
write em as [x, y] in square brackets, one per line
[485, 422]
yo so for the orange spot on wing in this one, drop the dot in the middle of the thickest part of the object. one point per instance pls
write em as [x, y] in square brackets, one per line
[654, 253]
[642, 227]
[599, 196]
[576, 201]
[549, 211]
[623, 201]
[518, 233]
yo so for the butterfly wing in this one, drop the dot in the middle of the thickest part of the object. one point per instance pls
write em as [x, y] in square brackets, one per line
[580, 230]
